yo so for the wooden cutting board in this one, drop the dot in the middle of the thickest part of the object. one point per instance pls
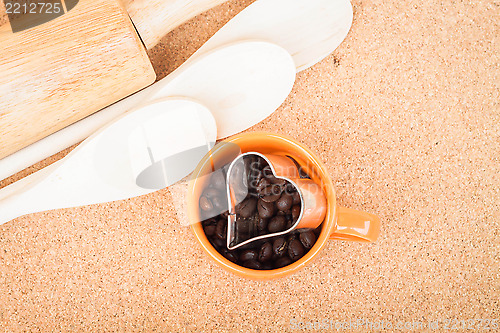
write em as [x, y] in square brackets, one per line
[61, 71]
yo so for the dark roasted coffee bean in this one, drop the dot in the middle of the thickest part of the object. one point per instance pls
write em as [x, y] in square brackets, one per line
[209, 222]
[206, 204]
[248, 255]
[218, 181]
[278, 181]
[296, 198]
[263, 183]
[295, 250]
[279, 246]
[271, 192]
[271, 198]
[266, 209]
[271, 189]
[307, 238]
[265, 252]
[230, 255]
[290, 189]
[295, 212]
[284, 203]
[267, 266]
[262, 223]
[276, 224]
[220, 230]
[317, 231]
[291, 236]
[210, 230]
[252, 264]
[218, 243]
[267, 172]
[282, 262]
[247, 207]
[289, 224]
[242, 225]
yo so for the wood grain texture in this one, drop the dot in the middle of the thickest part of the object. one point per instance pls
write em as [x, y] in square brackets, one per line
[59, 72]
[155, 18]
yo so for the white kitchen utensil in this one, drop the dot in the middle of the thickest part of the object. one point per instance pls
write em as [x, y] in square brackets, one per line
[241, 84]
[111, 164]
[308, 29]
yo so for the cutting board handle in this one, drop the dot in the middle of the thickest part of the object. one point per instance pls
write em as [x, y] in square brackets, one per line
[153, 19]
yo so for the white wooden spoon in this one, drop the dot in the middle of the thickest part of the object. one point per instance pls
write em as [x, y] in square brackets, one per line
[109, 164]
[241, 83]
[308, 29]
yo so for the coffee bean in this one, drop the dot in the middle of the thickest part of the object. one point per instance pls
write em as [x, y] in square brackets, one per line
[267, 266]
[249, 255]
[276, 224]
[242, 225]
[206, 204]
[290, 189]
[209, 221]
[307, 238]
[221, 229]
[278, 181]
[230, 255]
[295, 250]
[296, 198]
[317, 231]
[209, 230]
[217, 179]
[247, 207]
[271, 198]
[295, 212]
[266, 209]
[271, 193]
[262, 224]
[263, 183]
[279, 246]
[267, 172]
[252, 264]
[282, 262]
[291, 236]
[284, 203]
[218, 243]
[266, 252]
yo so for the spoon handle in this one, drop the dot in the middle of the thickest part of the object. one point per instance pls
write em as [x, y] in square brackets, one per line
[20, 198]
[153, 19]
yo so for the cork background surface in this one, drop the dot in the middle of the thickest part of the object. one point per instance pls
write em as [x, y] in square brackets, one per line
[405, 115]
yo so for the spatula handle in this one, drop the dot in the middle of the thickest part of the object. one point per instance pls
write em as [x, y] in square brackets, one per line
[153, 19]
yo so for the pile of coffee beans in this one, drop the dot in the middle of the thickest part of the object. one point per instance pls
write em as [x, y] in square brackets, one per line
[268, 205]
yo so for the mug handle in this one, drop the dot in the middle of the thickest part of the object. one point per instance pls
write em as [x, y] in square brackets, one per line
[354, 225]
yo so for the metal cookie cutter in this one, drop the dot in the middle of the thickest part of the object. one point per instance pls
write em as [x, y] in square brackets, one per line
[240, 184]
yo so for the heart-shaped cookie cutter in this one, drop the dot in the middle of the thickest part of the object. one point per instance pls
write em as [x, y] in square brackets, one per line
[312, 198]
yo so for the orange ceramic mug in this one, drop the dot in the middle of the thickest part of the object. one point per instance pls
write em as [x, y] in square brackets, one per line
[339, 223]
